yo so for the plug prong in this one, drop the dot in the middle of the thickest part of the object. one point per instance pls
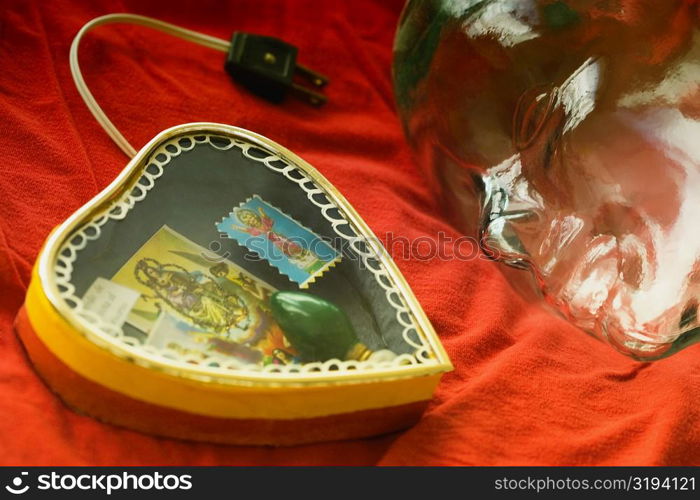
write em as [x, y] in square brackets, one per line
[317, 79]
[308, 95]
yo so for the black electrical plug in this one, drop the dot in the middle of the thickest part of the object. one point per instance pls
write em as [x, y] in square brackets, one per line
[266, 66]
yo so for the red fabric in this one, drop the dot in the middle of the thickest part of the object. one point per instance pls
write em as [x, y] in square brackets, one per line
[527, 387]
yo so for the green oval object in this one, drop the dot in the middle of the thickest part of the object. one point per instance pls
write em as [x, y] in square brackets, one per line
[317, 329]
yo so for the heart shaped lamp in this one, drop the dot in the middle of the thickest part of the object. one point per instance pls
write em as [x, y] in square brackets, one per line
[202, 293]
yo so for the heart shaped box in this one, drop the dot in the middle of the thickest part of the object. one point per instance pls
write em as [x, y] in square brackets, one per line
[187, 178]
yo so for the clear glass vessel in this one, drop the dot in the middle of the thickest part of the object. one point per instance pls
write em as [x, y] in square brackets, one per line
[566, 134]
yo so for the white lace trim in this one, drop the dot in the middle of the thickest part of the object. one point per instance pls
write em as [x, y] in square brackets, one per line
[213, 364]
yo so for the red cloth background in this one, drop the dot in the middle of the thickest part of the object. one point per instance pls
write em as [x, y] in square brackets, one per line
[527, 388]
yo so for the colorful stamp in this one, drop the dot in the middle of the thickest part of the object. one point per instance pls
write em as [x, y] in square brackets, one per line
[284, 243]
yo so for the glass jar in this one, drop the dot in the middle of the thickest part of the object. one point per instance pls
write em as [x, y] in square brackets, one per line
[566, 135]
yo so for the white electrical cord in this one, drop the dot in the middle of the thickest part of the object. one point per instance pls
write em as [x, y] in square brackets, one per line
[171, 29]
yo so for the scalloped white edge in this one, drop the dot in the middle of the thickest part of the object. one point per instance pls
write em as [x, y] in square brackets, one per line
[214, 364]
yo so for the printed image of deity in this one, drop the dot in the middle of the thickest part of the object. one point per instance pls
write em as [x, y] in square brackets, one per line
[194, 296]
